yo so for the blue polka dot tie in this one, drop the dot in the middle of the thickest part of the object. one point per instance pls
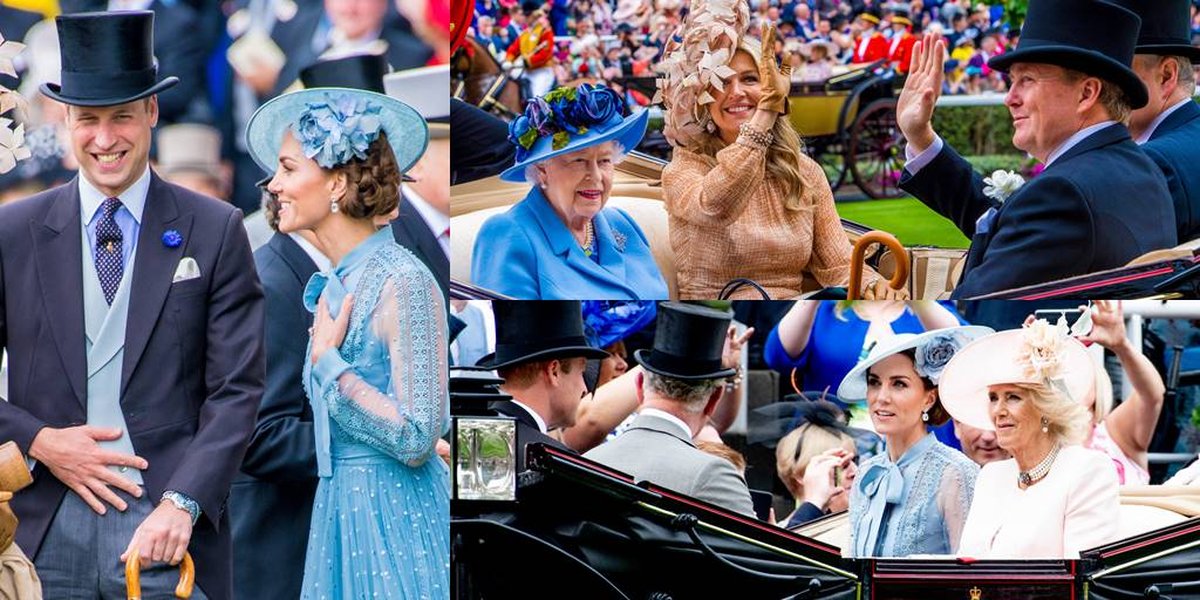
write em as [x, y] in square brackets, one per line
[110, 262]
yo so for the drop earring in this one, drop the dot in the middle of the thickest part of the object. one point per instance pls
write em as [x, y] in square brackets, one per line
[1045, 425]
[333, 205]
[925, 416]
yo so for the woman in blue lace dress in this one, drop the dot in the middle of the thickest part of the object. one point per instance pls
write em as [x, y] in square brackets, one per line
[913, 498]
[376, 378]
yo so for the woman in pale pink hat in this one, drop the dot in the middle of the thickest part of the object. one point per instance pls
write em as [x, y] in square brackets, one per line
[1054, 498]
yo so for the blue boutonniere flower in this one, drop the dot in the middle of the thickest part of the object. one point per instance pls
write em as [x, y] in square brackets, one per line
[171, 238]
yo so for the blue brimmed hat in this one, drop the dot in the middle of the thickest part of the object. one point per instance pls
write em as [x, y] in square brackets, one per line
[934, 350]
[1090, 36]
[569, 119]
[335, 125]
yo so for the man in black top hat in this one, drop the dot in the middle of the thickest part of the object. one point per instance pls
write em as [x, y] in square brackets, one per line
[679, 388]
[540, 353]
[1168, 127]
[133, 320]
[1099, 203]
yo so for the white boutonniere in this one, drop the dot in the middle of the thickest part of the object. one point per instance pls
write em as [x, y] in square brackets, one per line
[1001, 185]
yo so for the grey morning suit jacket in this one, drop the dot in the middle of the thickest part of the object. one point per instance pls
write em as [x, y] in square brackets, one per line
[655, 450]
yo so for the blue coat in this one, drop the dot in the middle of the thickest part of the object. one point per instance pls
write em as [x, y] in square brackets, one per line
[528, 253]
[270, 503]
[1175, 148]
[1098, 206]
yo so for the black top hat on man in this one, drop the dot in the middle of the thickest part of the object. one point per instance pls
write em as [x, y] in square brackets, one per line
[1166, 27]
[1090, 36]
[357, 71]
[688, 342]
[107, 59]
[544, 330]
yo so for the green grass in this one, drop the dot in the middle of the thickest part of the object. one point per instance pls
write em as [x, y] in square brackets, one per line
[911, 222]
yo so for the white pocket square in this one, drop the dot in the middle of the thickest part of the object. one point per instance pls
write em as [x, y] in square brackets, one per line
[187, 270]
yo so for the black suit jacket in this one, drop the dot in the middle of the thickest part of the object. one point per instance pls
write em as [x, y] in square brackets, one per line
[181, 49]
[1175, 148]
[1098, 206]
[527, 430]
[270, 504]
[411, 231]
[193, 367]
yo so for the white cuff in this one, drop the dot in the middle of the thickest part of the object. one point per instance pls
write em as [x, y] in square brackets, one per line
[915, 162]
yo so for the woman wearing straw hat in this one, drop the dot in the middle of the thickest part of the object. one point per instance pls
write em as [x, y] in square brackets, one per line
[913, 498]
[1053, 498]
[743, 198]
[375, 370]
[561, 242]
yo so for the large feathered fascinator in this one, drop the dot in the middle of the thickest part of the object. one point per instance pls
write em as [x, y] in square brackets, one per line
[696, 57]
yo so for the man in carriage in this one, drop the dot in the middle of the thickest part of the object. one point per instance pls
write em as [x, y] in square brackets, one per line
[869, 45]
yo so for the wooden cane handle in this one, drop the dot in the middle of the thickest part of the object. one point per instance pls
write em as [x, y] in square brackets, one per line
[899, 278]
[133, 577]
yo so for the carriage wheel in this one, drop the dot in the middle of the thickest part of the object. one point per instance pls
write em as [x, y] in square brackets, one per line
[876, 150]
[830, 157]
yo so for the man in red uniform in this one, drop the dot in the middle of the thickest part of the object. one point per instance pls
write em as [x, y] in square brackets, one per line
[901, 44]
[869, 44]
[535, 46]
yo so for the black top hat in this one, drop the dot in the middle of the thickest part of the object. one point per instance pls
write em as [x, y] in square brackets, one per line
[529, 331]
[688, 341]
[107, 59]
[357, 71]
[1166, 28]
[1090, 36]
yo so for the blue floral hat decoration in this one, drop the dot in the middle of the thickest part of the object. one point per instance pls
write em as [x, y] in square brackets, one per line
[336, 125]
[607, 322]
[569, 119]
[934, 349]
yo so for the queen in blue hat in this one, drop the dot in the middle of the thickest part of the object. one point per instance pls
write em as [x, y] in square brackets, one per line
[562, 241]
[375, 368]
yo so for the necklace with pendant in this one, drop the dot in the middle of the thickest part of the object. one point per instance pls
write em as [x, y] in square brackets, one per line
[1032, 476]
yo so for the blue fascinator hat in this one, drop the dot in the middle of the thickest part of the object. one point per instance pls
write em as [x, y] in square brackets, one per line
[609, 321]
[335, 125]
[569, 119]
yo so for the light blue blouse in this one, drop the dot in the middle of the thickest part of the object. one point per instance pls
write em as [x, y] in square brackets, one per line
[527, 253]
[916, 505]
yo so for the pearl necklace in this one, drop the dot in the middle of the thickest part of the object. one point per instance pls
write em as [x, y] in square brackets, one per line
[589, 233]
[1028, 478]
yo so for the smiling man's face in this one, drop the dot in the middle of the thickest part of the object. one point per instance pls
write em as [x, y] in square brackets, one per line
[112, 143]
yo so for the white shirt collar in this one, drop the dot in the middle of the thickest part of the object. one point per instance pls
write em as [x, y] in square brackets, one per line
[1075, 139]
[134, 198]
[435, 220]
[533, 413]
[1146, 135]
[670, 418]
[323, 263]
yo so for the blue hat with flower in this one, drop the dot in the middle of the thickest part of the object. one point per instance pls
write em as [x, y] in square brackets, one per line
[335, 125]
[607, 322]
[569, 119]
[934, 348]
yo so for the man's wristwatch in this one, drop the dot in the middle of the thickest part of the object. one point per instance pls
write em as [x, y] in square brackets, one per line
[182, 502]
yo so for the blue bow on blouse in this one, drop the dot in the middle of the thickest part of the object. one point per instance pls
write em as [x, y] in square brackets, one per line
[881, 484]
[329, 283]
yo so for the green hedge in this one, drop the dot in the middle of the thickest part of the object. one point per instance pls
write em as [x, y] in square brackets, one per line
[976, 130]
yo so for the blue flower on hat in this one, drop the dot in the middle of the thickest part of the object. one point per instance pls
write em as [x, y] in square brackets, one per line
[563, 113]
[171, 238]
[338, 129]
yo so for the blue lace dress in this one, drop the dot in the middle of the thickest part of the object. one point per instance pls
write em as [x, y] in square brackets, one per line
[916, 505]
[380, 523]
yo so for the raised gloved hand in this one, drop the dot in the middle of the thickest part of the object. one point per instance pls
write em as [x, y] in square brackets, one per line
[776, 82]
